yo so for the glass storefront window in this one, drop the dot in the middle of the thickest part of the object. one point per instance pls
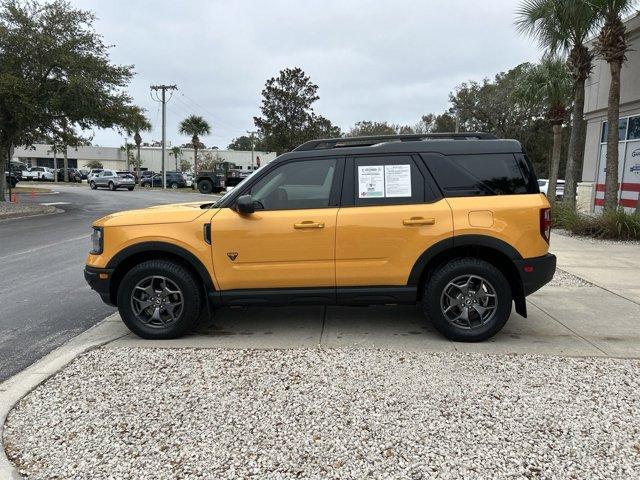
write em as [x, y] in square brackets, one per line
[634, 128]
[622, 130]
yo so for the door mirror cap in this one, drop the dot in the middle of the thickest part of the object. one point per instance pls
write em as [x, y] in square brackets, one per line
[244, 204]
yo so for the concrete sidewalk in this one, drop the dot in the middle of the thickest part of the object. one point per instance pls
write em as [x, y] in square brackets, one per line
[612, 265]
[576, 321]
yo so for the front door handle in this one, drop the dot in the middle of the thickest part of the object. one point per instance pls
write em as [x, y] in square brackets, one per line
[418, 221]
[308, 224]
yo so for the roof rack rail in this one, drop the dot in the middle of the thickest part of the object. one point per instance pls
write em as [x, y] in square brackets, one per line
[329, 143]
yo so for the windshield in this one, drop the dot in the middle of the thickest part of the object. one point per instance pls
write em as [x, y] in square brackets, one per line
[229, 192]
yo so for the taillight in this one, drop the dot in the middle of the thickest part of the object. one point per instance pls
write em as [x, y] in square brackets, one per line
[545, 223]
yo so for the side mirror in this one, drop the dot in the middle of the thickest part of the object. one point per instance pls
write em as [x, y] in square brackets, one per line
[244, 204]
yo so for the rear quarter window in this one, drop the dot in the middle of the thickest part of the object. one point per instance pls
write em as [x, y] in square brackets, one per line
[483, 174]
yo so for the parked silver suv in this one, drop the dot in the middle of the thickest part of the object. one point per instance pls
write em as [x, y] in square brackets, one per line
[113, 180]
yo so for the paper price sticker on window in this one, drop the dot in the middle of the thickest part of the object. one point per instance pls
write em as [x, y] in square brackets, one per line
[370, 181]
[397, 180]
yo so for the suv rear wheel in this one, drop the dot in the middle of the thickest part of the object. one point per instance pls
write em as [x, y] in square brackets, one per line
[468, 300]
[159, 299]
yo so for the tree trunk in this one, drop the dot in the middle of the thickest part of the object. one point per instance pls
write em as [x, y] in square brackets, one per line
[613, 118]
[4, 162]
[55, 165]
[138, 160]
[576, 144]
[555, 162]
[195, 161]
[65, 164]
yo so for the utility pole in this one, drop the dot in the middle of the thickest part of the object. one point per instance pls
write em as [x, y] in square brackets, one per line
[251, 134]
[163, 99]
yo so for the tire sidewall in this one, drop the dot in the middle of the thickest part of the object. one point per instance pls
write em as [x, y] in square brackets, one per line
[468, 266]
[205, 186]
[185, 282]
[92, 185]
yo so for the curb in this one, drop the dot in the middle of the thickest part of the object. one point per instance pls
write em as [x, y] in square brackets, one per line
[15, 388]
[56, 211]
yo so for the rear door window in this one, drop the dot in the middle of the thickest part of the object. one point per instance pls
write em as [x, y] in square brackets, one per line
[482, 174]
[385, 180]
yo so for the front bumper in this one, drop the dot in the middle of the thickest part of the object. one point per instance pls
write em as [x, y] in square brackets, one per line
[99, 279]
[536, 272]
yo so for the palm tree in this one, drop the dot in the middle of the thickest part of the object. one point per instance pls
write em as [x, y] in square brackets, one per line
[612, 45]
[139, 124]
[176, 152]
[563, 26]
[549, 83]
[195, 126]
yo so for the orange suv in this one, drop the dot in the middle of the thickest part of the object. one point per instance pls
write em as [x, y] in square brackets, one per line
[455, 222]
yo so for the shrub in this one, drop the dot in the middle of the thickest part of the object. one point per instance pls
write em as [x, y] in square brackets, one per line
[616, 225]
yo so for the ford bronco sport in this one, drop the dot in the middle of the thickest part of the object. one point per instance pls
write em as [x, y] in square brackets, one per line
[455, 222]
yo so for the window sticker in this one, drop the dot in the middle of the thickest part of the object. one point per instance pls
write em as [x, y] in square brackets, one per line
[397, 181]
[370, 181]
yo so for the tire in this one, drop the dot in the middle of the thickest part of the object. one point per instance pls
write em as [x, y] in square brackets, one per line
[112, 186]
[205, 186]
[130, 189]
[93, 185]
[174, 185]
[178, 278]
[147, 186]
[441, 293]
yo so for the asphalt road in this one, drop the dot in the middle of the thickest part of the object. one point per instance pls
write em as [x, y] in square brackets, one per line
[44, 300]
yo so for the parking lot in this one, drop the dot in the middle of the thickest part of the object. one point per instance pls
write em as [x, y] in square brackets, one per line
[45, 299]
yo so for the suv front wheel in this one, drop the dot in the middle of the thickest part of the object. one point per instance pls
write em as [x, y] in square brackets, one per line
[159, 299]
[468, 300]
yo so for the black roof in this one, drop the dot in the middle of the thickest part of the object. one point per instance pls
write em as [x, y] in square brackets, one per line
[443, 143]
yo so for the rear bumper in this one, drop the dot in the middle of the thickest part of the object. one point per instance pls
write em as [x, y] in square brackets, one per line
[536, 272]
[99, 279]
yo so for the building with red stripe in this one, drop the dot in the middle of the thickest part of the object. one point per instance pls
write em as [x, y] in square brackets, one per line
[591, 189]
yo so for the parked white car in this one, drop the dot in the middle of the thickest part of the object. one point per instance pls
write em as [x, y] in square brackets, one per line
[43, 174]
[188, 177]
[543, 183]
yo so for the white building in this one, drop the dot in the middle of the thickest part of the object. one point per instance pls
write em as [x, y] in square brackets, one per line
[115, 158]
[591, 189]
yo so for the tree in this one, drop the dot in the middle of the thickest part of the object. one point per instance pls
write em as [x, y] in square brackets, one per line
[612, 45]
[210, 160]
[242, 142]
[91, 164]
[549, 83]
[55, 73]
[287, 117]
[563, 26]
[430, 123]
[138, 123]
[176, 152]
[195, 126]
[367, 128]
[185, 165]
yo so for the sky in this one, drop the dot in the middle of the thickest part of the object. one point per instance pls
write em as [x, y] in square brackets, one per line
[372, 60]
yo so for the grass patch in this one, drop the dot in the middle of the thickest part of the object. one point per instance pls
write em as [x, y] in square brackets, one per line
[616, 225]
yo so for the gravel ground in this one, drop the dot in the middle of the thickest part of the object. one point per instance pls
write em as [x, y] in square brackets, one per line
[169, 413]
[16, 210]
[566, 279]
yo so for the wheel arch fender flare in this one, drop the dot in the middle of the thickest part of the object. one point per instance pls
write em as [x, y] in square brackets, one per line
[143, 251]
[474, 245]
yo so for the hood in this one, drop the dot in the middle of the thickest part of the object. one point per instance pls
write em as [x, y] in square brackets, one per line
[174, 213]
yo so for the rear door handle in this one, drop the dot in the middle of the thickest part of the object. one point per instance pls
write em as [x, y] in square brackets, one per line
[418, 221]
[308, 224]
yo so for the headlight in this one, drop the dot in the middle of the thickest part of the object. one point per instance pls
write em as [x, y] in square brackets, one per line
[96, 241]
